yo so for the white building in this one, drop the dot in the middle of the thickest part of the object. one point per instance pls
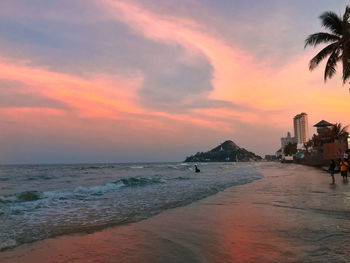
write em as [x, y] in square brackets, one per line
[286, 140]
[301, 128]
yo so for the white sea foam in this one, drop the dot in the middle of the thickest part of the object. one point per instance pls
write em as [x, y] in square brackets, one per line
[7, 243]
[66, 202]
[97, 189]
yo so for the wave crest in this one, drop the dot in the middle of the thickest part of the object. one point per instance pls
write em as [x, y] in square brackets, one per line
[80, 191]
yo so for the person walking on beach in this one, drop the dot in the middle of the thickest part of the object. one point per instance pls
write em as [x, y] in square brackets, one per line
[331, 170]
[344, 169]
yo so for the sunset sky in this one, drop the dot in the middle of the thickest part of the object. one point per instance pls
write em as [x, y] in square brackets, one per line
[158, 80]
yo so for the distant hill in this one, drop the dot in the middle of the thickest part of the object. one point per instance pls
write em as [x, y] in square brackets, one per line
[225, 152]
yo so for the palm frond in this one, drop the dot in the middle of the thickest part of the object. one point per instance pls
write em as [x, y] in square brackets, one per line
[332, 21]
[346, 72]
[346, 14]
[321, 37]
[340, 132]
[346, 64]
[321, 55]
[338, 40]
[330, 69]
[346, 55]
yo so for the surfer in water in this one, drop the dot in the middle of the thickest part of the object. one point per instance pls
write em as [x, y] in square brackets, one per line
[196, 169]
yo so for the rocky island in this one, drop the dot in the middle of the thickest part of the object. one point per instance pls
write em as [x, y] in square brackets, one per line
[225, 152]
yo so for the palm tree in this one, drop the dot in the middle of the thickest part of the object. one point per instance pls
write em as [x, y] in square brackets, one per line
[339, 47]
[307, 146]
[339, 132]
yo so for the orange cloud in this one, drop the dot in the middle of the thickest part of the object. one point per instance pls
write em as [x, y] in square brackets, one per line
[270, 94]
[238, 77]
[229, 63]
[95, 96]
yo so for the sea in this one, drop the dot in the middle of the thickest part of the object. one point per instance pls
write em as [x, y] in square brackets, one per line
[43, 201]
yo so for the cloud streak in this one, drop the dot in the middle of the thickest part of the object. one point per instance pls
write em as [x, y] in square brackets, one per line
[237, 77]
[97, 96]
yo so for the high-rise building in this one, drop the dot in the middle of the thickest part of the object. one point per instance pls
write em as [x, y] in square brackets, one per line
[301, 128]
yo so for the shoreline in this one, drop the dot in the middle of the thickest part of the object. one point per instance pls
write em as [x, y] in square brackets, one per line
[290, 215]
[185, 194]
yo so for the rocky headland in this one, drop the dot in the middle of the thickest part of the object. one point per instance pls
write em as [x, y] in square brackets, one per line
[225, 152]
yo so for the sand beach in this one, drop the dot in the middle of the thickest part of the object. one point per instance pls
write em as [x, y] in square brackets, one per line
[293, 214]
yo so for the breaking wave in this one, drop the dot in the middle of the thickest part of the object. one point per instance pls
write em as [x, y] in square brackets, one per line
[60, 200]
[28, 196]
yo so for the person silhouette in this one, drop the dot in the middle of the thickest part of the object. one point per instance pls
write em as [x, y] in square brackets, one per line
[196, 169]
[332, 170]
[344, 169]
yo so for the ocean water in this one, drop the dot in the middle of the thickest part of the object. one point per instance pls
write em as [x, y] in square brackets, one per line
[42, 201]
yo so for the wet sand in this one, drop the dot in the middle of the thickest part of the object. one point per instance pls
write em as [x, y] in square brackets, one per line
[293, 214]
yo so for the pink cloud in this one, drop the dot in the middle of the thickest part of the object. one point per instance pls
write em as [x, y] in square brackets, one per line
[229, 63]
[94, 96]
[238, 77]
[110, 104]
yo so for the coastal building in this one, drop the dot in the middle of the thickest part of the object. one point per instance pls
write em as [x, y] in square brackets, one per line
[323, 126]
[286, 140]
[301, 128]
[278, 154]
[270, 157]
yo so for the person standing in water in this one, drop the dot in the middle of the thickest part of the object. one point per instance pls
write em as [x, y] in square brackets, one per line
[331, 170]
[196, 169]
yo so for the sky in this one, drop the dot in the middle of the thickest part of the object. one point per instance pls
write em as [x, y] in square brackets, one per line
[158, 80]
